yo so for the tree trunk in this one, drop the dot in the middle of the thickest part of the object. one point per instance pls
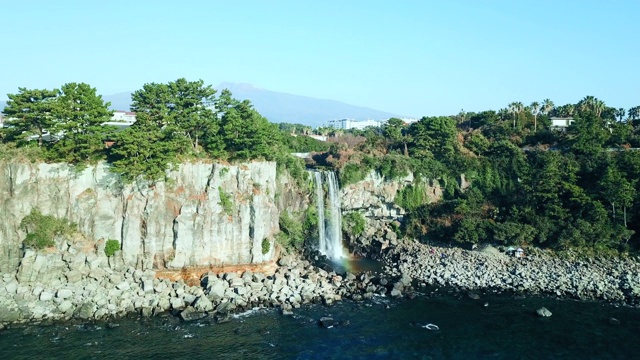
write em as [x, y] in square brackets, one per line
[535, 123]
[624, 212]
[406, 152]
[613, 205]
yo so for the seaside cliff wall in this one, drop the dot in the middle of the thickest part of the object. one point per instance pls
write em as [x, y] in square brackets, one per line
[375, 199]
[179, 223]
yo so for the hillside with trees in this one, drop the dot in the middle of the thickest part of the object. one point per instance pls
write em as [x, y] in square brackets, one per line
[525, 181]
[177, 121]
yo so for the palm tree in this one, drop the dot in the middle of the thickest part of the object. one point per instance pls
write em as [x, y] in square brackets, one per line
[598, 106]
[620, 114]
[516, 108]
[535, 110]
[634, 113]
[547, 106]
[587, 103]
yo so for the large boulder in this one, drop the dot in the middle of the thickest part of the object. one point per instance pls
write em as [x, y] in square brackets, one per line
[543, 312]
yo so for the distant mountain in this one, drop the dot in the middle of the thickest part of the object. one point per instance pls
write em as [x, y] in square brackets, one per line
[119, 101]
[281, 107]
[278, 107]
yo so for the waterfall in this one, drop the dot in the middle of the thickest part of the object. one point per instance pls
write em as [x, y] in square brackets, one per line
[320, 207]
[330, 226]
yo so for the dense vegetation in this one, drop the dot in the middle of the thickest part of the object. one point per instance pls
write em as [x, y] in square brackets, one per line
[177, 121]
[42, 230]
[529, 183]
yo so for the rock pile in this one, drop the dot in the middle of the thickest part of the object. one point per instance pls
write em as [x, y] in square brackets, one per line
[614, 280]
[104, 292]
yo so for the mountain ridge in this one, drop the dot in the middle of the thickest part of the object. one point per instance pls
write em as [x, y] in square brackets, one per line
[278, 106]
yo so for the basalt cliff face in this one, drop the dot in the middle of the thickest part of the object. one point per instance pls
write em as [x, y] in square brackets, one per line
[204, 215]
[374, 198]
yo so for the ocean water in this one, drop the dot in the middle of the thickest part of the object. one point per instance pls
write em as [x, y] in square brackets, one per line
[506, 328]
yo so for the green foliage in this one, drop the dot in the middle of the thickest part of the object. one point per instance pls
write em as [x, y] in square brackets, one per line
[266, 246]
[395, 166]
[111, 246]
[412, 196]
[80, 113]
[353, 223]
[295, 167]
[291, 234]
[351, 174]
[10, 151]
[225, 201]
[30, 112]
[43, 229]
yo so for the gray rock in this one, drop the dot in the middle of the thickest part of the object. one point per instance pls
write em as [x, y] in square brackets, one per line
[543, 312]
[46, 296]
[203, 304]
[124, 286]
[8, 314]
[327, 322]
[65, 306]
[64, 293]
[191, 314]
[86, 311]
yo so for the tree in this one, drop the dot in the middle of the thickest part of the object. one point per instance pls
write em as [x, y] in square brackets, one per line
[143, 151]
[247, 134]
[80, 114]
[185, 107]
[30, 112]
[618, 190]
[589, 134]
[547, 106]
[634, 113]
[535, 110]
[619, 113]
[435, 136]
[392, 130]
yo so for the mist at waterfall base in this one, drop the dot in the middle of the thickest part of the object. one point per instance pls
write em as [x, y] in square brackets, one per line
[382, 328]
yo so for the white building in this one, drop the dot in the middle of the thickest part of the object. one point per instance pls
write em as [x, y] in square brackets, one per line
[124, 116]
[561, 123]
[347, 124]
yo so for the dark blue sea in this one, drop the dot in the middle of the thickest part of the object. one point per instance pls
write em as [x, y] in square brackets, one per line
[492, 327]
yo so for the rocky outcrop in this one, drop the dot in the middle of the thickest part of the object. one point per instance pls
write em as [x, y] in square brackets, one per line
[539, 272]
[84, 284]
[374, 198]
[204, 215]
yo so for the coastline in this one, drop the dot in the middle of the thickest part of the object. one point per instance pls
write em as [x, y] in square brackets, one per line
[539, 272]
[107, 294]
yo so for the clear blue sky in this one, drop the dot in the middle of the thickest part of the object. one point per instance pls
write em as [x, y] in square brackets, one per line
[413, 58]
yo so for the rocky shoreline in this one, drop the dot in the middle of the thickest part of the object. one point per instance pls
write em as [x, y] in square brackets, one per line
[96, 288]
[613, 280]
[103, 294]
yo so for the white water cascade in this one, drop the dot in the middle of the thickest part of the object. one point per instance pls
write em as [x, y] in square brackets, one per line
[329, 226]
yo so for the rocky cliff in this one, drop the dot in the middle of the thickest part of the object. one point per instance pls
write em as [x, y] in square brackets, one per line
[203, 215]
[374, 198]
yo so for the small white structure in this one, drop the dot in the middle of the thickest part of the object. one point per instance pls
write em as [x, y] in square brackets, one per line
[519, 253]
[347, 124]
[561, 123]
[124, 116]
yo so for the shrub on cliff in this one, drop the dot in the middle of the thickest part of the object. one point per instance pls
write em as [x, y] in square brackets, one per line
[291, 232]
[111, 247]
[266, 246]
[43, 229]
[354, 223]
